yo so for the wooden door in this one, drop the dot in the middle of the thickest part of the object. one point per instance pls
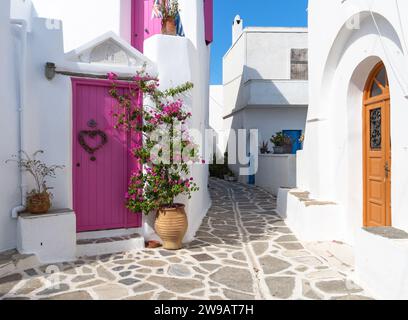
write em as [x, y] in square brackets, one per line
[102, 160]
[377, 150]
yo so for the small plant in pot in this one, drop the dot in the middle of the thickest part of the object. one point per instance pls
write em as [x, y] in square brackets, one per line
[264, 149]
[39, 199]
[169, 10]
[279, 141]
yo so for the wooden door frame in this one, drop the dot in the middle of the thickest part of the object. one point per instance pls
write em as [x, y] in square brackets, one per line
[367, 101]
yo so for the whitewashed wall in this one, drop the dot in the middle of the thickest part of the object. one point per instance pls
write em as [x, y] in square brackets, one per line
[271, 120]
[48, 117]
[83, 20]
[257, 66]
[276, 171]
[9, 189]
[340, 61]
[189, 58]
[220, 125]
[258, 90]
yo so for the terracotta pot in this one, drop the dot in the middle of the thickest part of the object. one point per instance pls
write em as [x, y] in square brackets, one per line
[169, 27]
[38, 203]
[171, 226]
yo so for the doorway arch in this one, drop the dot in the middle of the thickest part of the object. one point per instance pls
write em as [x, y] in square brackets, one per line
[377, 149]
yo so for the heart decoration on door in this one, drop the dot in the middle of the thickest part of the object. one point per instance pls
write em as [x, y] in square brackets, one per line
[92, 134]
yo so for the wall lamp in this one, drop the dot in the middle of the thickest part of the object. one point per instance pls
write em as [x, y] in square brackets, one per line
[50, 70]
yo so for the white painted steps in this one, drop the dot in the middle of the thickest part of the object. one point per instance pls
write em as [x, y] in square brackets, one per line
[108, 241]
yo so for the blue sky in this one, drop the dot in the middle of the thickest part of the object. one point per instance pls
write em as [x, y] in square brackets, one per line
[256, 13]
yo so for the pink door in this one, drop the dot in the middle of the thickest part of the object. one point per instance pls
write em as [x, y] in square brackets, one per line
[102, 162]
[144, 24]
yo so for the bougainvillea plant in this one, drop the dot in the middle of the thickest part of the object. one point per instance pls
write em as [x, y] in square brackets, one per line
[166, 149]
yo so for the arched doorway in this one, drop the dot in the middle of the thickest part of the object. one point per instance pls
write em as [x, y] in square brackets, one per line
[377, 149]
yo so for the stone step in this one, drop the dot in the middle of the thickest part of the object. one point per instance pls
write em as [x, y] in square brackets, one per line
[106, 233]
[109, 245]
[12, 261]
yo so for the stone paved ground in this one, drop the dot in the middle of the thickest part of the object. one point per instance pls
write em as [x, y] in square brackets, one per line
[243, 250]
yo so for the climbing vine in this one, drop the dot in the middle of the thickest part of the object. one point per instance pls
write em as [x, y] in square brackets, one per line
[164, 148]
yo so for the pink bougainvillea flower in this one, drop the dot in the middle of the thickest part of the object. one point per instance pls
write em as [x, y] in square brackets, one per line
[112, 76]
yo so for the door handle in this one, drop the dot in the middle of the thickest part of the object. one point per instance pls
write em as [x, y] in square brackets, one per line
[78, 164]
[387, 169]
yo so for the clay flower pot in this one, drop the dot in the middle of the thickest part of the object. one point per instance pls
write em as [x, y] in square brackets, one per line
[169, 27]
[171, 226]
[38, 203]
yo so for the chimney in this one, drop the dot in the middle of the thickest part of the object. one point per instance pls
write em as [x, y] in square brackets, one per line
[237, 28]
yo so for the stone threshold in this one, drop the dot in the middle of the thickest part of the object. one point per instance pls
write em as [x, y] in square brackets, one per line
[388, 232]
[108, 239]
[109, 245]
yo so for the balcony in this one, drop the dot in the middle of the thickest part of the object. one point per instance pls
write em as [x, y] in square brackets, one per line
[259, 93]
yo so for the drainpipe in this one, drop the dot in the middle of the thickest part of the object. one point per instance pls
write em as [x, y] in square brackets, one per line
[23, 188]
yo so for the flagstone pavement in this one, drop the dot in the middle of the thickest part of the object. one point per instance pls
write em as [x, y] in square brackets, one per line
[243, 250]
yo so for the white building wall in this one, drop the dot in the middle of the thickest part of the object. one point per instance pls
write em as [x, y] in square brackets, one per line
[258, 90]
[48, 116]
[271, 120]
[190, 62]
[261, 58]
[276, 171]
[85, 20]
[9, 186]
[221, 126]
[269, 51]
[233, 73]
[268, 121]
[340, 62]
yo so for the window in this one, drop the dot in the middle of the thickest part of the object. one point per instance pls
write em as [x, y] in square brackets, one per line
[380, 83]
[299, 69]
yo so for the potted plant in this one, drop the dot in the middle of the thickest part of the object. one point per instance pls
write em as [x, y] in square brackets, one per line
[265, 147]
[279, 141]
[165, 172]
[38, 201]
[169, 10]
